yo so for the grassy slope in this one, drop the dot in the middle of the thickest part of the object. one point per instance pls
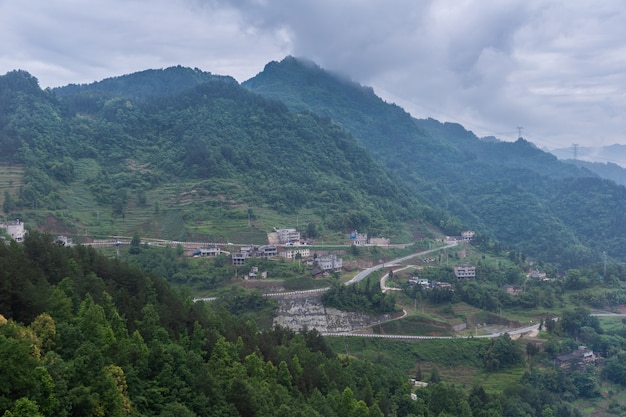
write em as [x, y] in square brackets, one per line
[11, 179]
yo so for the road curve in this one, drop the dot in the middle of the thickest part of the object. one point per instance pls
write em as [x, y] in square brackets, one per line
[361, 275]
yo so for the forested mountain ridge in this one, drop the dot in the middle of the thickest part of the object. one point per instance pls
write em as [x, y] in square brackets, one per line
[138, 132]
[200, 145]
[514, 192]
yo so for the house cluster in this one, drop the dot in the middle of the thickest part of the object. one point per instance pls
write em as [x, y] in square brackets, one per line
[536, 274]
[362, 239]
[15, 229]
[245, 252]
[579, 358]
[466, 236]
[267, 252]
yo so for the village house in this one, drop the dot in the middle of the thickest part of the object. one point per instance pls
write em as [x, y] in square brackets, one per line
[16, 230]
[467, 235]
[64, 241]
[286, 236]
[329, 263]
[211, 251]
[239, 259]
[512, 289]
[254, 274]
[578, 358]
[266, 251]
[291, 253]
[440, 285]
[465, 271]
[358, 239]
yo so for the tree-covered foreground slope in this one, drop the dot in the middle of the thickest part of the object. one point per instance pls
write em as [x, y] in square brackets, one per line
[512, 192]
[89, 335]
[86, 335]
[125, 137]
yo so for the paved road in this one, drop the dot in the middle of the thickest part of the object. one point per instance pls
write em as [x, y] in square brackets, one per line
[410, 337]
[358, 277]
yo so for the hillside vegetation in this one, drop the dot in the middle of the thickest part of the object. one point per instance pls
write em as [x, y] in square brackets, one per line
[83, 334]
[211, 152]
[183, 154]
[513, 193]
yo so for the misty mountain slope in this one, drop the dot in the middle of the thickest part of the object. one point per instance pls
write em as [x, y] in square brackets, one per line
[608, 170]
[512, 191]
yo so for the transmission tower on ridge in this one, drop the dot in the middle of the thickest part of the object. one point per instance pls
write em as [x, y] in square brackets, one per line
[575, 146]
[519, 131]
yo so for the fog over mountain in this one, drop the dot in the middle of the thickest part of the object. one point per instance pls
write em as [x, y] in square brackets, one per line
[556, 69]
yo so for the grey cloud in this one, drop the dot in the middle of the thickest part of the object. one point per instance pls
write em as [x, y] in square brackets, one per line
[557, 68]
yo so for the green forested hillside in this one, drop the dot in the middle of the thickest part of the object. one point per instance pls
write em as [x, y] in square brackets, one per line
[130, 140]
[180, 154]
[512, 192]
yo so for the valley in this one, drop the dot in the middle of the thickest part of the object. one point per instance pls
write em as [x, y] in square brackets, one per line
[143, 170]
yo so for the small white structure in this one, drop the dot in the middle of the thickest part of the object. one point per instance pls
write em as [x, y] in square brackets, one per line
[255, 274]
[64, 241]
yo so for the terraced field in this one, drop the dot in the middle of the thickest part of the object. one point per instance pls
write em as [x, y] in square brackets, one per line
[11, 179]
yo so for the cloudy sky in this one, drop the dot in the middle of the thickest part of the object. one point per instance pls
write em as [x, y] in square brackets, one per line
[555, 68]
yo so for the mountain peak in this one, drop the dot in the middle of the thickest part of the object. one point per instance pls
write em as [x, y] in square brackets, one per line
[147, 83]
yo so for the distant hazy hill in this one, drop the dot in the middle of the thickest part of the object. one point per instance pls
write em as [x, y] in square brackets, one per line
[606, 170]
[615, 154]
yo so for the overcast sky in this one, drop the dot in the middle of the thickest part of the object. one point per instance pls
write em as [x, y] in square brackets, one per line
[556, 68]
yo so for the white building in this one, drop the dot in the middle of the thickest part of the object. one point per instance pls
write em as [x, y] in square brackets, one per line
[16, 230]
[288, 236]
[358, 239]
[465, 271]
[239, 259]
[291, 253]
[329, 263]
